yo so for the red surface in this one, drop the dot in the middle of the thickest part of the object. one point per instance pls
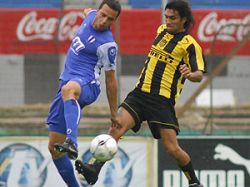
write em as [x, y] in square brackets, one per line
[35, 30]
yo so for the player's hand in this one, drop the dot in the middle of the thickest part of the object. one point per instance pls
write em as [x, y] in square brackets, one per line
[185, 71]
[115, 122]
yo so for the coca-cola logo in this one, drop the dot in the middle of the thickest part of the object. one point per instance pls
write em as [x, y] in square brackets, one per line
[32, 28]
[233, 29]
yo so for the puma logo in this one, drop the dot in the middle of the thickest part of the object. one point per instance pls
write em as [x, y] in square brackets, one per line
[224, 152]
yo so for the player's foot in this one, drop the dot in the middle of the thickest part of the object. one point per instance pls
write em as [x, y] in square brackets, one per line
[195, 185]
[67, 147]
[87, 170]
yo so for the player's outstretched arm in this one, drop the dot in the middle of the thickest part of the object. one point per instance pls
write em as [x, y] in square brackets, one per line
[111, 90]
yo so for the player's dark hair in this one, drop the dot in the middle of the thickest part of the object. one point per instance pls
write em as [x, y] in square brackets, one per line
[184, 11]
[113, 4]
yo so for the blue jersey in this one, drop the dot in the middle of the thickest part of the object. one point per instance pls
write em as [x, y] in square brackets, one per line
[89, 52]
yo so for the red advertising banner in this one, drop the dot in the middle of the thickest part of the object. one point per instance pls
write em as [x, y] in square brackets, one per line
[50, 31]
[235, 25]
[37, 31]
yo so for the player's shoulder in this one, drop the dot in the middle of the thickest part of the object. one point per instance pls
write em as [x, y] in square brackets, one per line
[106, 36]
[189, 39]
[87, 11]
[108, 44]
[161, 28]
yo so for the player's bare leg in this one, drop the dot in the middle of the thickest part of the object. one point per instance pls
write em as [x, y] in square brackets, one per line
[182, 158]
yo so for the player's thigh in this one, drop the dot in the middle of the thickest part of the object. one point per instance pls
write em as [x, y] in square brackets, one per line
[125, 121]
[55, 120]
[161, 115]
[89, 94]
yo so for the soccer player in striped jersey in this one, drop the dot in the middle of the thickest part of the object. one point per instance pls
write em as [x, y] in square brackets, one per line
[92, 49]
[174, 57]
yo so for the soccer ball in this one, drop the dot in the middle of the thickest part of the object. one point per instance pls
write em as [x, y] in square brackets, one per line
[103, 147]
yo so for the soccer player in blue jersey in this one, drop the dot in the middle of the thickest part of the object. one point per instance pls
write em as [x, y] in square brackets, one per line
[92, 49]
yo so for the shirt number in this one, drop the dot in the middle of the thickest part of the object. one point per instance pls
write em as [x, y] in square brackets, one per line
[77, 45]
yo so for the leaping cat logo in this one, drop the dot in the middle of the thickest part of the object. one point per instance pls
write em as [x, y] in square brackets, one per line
[224, 152]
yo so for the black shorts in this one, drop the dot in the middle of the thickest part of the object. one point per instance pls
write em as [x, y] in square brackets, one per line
[158, 111]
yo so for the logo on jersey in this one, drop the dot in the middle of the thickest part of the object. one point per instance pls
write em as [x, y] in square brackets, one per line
[163, 43]
[112, 54]
[69, 131]
[91, 39]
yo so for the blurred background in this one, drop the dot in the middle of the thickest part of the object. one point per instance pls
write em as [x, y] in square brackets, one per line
[214, 114]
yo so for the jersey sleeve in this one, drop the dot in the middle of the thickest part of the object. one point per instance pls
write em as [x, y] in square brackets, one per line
[195, 58]
[107, 54]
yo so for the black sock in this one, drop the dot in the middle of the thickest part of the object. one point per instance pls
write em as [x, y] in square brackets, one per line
[96, 164]
[189, 173]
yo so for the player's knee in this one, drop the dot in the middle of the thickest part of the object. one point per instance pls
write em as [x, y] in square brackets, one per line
[172, 149]
[69, 93]
[66, 91]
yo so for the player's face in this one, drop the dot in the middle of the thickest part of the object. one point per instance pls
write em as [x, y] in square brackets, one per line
[104, 18]
[174, 22]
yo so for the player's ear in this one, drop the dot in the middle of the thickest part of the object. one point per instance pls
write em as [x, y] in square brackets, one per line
[183, 20]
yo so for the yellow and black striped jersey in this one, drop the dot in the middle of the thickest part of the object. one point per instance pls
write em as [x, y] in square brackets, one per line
[161, 75]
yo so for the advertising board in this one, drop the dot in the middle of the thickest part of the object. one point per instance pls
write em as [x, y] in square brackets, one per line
[50, 31]
[26, 162]
[219, 162]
